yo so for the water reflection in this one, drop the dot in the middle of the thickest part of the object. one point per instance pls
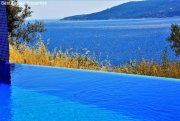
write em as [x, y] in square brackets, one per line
[5, 92]
[5, 73]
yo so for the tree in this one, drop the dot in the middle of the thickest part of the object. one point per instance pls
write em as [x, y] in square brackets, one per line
[20, 30]
[174, 38]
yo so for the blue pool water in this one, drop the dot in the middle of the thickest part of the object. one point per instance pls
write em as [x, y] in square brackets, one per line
[57, 94]
[115, 40]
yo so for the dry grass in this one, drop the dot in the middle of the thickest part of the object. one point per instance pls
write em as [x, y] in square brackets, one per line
[41, 56]
[169, 69]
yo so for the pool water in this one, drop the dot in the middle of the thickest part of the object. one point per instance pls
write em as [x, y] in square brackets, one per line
[57, 94]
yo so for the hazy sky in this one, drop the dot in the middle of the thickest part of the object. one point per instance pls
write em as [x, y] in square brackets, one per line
[56, 9]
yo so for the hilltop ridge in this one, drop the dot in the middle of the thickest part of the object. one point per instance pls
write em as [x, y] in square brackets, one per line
[135, 9]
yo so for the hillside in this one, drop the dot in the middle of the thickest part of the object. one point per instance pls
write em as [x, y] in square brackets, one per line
[132, 10]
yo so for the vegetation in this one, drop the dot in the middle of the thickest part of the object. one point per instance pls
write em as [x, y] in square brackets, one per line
[40, 55]
[151, 68]
[174, 38]
[21, 53]
[19, 30]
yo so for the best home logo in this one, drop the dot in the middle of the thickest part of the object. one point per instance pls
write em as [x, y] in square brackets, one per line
[22, 3]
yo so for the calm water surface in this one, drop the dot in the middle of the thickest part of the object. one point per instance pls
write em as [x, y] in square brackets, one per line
[115, 40]
[56, 94]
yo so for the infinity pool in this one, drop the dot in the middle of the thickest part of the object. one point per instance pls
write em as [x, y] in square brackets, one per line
[36, 93]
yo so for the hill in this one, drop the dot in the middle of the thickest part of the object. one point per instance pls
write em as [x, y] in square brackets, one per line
[136, 9]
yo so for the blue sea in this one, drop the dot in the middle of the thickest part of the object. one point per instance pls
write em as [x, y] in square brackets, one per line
[118, 41]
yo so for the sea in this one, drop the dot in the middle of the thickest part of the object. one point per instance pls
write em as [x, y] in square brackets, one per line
[114, 42]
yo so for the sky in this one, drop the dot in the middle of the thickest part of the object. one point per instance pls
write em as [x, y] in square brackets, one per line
[57, 9]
